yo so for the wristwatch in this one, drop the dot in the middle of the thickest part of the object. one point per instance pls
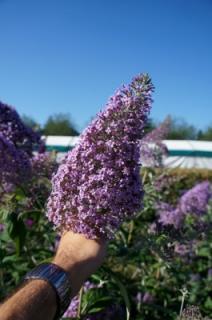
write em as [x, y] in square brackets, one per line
[59, 281]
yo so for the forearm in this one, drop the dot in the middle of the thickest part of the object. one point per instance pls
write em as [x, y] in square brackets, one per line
[37, 300]
[34, 301]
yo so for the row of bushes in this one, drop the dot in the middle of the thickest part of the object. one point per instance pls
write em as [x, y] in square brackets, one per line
[148, 270]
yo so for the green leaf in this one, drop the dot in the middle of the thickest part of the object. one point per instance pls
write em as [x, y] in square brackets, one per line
[125, 296]
[203, 252]
[17, 231]
[20, 194]
[208, 303]
[4, 212]
[12, 258]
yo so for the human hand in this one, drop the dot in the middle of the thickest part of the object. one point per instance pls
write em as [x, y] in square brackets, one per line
[80, 257]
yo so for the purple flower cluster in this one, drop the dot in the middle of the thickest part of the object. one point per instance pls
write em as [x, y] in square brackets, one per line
[165, 181]
[17, 142]
[194, 201]
[210, 273]
[168, 215]
[111, 312]
[192, 312]
[43, 165]
[98, 184]
[181, 249]
[14, 163]
[72, 310]
[146, 297]
[29, 223]
[15, 131]
[2, 227]
[159, 133]
[74, 305]
[152, 147]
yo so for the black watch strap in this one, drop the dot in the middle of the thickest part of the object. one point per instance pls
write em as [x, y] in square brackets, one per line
[59, 281]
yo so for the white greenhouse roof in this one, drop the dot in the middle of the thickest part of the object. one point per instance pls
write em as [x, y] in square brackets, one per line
[181, 153]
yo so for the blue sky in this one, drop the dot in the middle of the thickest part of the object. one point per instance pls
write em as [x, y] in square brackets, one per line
[70, 55]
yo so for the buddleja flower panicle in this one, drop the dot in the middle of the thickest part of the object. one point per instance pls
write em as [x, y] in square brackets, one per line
[194, 201]
[43, 165]
[14, 130]
[17, 143]
[15, 164]
[153, 150]
[98, 184]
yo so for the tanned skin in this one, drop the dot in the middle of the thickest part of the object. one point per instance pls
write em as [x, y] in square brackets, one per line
[36, 300]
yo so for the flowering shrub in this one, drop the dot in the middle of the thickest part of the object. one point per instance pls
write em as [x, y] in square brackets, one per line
[15, 131]
[143, 273]
[15, 164]
[24, 187]
[44, 165]
[152, 148]
[194, 202]
[17, 142]
[158, 264]
[98, 184]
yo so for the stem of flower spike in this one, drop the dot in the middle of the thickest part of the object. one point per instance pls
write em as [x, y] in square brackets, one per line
[144, 176]
[131, 227]
[17, 246]
[184, 292]
[80, 303]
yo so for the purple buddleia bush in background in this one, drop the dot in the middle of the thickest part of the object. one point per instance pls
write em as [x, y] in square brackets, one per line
[147, 298]
[98, 184]
[192, 313]
[15, 131]
[72, 310]
[184, 250]
[15, 164]
[43, 165]
[29, 223]
[195, 202]
[185, 222]
[168, 215]
[17, 142]
[152, 147]
[113, 311]
[210, 273]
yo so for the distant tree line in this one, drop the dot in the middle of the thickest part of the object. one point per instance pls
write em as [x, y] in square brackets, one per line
[61, 125]
[56, 125]
[182, 130]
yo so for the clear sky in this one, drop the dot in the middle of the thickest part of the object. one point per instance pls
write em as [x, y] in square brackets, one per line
[70, 55]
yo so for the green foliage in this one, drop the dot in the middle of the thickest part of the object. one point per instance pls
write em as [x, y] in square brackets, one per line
[184, 178]
[30, 122]
[206, 134]
[142, 276]
[150, 125]
[59, 125]
[181, 130]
